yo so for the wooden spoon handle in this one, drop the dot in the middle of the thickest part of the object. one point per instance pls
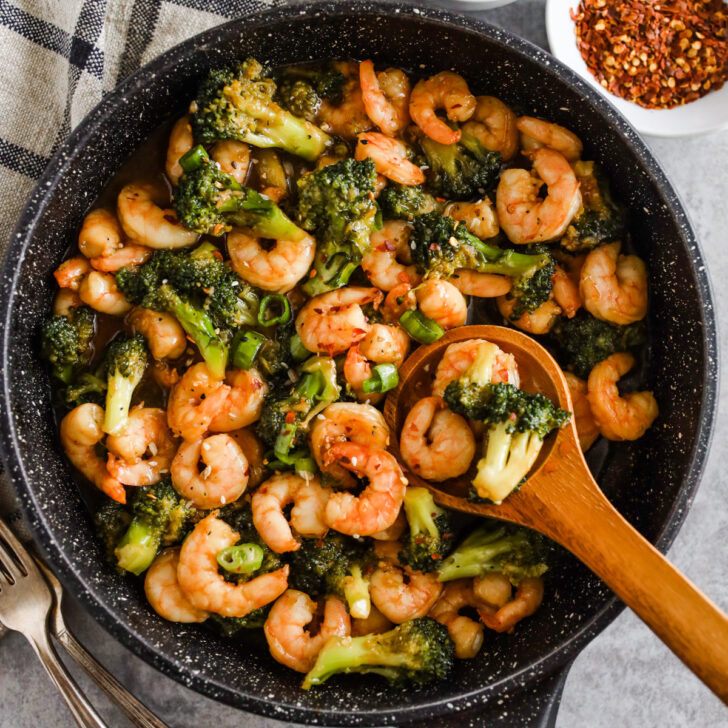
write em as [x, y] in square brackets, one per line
[691, 625]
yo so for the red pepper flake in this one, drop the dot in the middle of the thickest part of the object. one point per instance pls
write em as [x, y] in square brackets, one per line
[434, 246]
[435, 557]
[290, 418]
[656, 54]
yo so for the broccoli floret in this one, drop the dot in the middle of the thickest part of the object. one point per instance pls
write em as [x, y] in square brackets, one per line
[429, 538]
[404, 202]
[496, 547]
[517, 422]
[65, 342]
[232, 302]
[441, 245]
[600, 219]
[126, 361]
[159, 517]
[288, 409]
[84, 388]
[336, 203]
[231, 626]
[171, 281]
[237, 103]
[413, 652]
[583, 341]
[111, 522]
[460, 171]
[302, 89]
[209, 201]
[335, 565]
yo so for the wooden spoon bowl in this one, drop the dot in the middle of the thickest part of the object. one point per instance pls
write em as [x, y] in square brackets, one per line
[562, 500]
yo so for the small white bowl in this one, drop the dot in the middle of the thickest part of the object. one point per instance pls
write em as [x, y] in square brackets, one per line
[707, 114]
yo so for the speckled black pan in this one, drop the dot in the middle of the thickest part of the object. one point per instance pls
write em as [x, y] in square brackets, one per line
[651, 481]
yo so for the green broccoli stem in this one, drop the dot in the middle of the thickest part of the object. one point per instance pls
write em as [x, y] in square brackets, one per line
[356, 593]
[420, 508]
[261, 215]
[476, 558]
[198, 325]
[306, 389]
[138, 547]
[118, 400]
[332, 273]
[295, 135]
[352, 654]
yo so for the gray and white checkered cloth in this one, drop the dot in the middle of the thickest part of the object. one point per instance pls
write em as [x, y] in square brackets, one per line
[60, 57]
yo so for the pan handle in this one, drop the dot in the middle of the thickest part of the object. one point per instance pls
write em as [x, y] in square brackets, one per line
[534, 707]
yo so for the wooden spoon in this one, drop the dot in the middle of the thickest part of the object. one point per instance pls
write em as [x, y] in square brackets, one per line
[562, 500]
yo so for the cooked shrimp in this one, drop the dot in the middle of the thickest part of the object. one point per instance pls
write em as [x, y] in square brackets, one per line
[479, 217]
[529, 596]
[492, 590]
[71, 273]
[164, 375]
[375, 623]
[334, 321]
[401, 594]
[537, 133]
[275, 269]
[146, 223]
[244, 401]
[99, 290]
[233, 157]
[382, 345]
[65, 301]
[466, 633]
[224, 478]
[81, 431]
[586, 428]
[389, 157]
[100, 234]
[395, 531]
[141, 453]
[180, 142]
[164, 593]
[386, 97]
[539, 321]
[613, 286]
[460, 356]
[309, 500]
[494, 125]
[445, 90]
[435, 442]
[349, 117]
[253, 450]
[566, 292]
[344, 421]
[201, 581]
[387, 264]
[482, 285]
[166, 338]
[377, 506]
[289, 641]
[195, 401]
[527, 218]
[619, 417]
[126, 255]
[442, 302]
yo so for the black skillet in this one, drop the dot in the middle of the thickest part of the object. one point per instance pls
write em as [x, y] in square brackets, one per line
[517, 679]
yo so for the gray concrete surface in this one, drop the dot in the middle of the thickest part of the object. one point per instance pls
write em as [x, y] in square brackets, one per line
[625, 677]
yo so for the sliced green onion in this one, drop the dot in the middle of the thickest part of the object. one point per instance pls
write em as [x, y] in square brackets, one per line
[298, 351]
[305, 466]
[193, 159]
[420, 328]
[245, 347]
[242, 559]
[384, 377]
[274, 300]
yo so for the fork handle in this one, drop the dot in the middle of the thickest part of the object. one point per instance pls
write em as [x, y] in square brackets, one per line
[134, 710]
[82, 710]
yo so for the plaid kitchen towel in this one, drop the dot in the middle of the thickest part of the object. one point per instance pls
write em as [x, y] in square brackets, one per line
[60, 58]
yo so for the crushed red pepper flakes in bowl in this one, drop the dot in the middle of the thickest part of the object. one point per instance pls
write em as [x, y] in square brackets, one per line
[657, 54]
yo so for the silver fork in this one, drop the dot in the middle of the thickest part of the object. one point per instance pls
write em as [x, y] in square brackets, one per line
[25, 604]
[136, 711]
